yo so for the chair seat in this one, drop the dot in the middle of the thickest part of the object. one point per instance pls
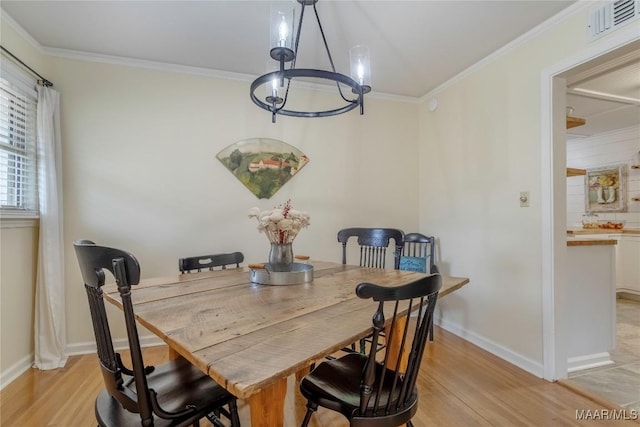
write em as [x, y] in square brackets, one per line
[370, 393]
[336, 385]
[178, 384]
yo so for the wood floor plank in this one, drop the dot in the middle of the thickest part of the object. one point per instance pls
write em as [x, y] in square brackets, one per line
[459, 385]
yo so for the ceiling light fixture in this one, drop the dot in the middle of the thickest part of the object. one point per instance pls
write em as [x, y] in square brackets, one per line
[284, 49]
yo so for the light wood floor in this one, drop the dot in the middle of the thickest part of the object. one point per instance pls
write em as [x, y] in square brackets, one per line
[459, 385]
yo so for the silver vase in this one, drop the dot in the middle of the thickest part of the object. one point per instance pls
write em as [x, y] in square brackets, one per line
[281, 257]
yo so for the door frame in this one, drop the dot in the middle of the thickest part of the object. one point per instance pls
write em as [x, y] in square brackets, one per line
[554, 198]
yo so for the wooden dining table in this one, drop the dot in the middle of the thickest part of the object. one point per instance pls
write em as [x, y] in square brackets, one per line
[251, 337]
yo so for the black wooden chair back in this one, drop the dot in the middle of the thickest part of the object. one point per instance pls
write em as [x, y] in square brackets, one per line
[94, 260]
[189, 264]
[420, 246]
[373, 244]
[191, 394]
[368, 389]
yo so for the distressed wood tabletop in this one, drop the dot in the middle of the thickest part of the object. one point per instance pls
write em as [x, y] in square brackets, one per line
[251, 337]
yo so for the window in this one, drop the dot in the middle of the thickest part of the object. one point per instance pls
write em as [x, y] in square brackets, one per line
[18, 181]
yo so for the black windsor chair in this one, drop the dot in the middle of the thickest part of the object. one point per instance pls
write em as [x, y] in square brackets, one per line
[418, 246]
[373, 243]
[370, 390]
[189, 264]
[173, 394]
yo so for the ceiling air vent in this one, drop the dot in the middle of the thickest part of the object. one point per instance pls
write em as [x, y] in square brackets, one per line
[606, 18]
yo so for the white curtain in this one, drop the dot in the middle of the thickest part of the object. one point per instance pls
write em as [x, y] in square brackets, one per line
[50, 329]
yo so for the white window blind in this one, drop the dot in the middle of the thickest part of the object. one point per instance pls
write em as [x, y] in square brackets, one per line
[18, 182]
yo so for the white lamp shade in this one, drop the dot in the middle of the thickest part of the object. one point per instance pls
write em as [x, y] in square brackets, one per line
[360, 65]
[273, 87]
[282, 24]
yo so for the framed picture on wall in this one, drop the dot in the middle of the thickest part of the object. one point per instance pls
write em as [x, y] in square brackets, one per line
[263, 165]
[605, 189]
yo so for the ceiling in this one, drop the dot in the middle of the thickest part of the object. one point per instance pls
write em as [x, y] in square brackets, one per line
[607, 96]
[415, 45]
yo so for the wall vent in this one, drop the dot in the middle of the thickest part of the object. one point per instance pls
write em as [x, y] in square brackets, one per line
[608, 17]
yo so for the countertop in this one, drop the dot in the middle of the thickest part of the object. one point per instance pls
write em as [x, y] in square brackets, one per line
[580, 241]
[582, 231]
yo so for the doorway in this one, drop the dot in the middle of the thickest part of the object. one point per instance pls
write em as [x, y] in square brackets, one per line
[608, 97]
[554, 203]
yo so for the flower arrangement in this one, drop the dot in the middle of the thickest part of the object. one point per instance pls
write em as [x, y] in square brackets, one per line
[604, 180]
[281, 224]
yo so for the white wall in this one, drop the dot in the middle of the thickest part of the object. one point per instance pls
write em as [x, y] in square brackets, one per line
[140, 170]
[478, 150]
[607, 149]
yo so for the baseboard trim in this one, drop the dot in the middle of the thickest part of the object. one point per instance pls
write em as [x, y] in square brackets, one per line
[531, 366]
[89, 347]
[589, 361]
[15, 370]
[75, 349]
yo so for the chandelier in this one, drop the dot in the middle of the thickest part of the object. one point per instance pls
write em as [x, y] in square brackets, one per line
[284, 49]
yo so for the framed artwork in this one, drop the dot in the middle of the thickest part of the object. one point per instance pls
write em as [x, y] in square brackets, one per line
[605, 189]
[263, 165]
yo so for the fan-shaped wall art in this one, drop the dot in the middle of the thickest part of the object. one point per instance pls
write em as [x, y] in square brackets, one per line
[263, 165]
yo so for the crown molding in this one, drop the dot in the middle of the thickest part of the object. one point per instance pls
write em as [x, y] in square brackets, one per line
[197, 71]
[145, 64]
[8, 20]
[552, 22]
[168, 67]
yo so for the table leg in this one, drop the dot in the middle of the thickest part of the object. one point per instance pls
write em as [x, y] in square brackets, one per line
[300, 402]
[267, 406]
[301, 373]
[173, 355]
[393, 345]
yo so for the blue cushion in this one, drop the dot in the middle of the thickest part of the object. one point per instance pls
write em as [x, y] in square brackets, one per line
[413, 263]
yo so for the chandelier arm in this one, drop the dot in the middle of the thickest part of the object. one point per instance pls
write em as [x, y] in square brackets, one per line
[324, 39]
[326, 47]
[295, 47]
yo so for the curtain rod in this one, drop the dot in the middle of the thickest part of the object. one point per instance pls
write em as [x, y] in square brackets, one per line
[42, 81]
